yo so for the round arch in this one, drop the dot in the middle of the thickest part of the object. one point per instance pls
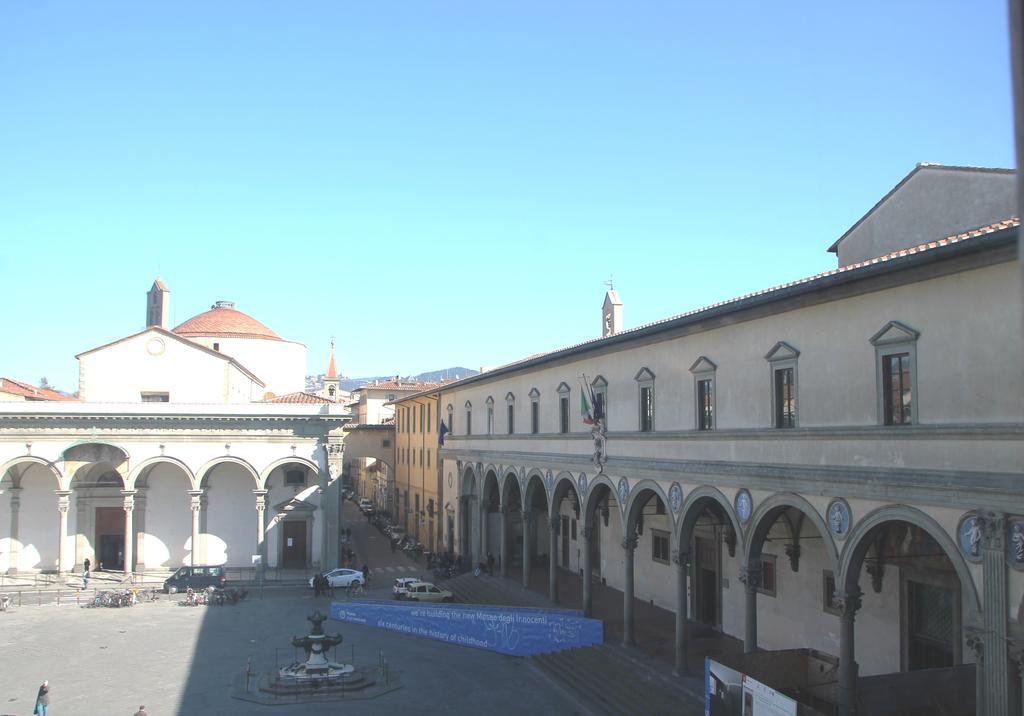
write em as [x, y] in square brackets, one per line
[599, 487]
[565, 484]
[202, 474]
[858, 542]
[265, 475]
[534, 482]
[491, 486]
[35, 461]
[693, 507]
[79, 443]
[634, 502]
[769, 511]
[468, 479]
[138, 469]
[508, 478]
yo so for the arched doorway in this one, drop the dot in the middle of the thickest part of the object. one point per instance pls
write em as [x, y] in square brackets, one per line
[292, 539]
[600, 533]
[100, 530]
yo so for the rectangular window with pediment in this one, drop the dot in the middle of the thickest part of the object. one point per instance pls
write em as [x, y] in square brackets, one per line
[645, 383]
[782, 361]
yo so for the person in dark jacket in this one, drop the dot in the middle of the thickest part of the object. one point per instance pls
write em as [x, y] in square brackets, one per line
[42, 699]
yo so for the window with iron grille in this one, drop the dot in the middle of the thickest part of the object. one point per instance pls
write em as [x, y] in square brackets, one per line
[659, 546]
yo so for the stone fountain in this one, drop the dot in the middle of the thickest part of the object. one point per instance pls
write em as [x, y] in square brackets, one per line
[317, 675]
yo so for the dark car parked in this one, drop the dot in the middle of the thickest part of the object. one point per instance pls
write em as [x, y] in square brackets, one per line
[199, 577]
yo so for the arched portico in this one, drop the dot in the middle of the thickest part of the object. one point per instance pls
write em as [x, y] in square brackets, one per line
[31, 492]
[535, 523]
[511, 521]
[899, 534]
[160, 489]
[222, 531]
[599, 506]
[706, 520]
[469, 498]
[490, 504]
[646, 504]
[794, 515]
[564, 489]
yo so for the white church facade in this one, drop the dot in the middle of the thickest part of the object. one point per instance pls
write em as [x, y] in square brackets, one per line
[187, 446]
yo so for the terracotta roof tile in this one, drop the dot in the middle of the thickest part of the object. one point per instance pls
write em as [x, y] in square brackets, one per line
[31, 392]
[297, 397]
[399, 385]
[972, 235]
[223, 320]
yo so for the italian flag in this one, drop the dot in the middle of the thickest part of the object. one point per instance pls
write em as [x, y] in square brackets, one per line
[585, 411]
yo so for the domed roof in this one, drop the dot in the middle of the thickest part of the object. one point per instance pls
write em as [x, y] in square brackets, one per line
[223, 320]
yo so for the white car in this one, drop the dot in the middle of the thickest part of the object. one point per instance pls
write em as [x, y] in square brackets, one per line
[401, 586]
[427, 592]
[342, 577]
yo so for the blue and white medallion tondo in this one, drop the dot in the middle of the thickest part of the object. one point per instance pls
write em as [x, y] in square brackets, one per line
[839, 518]
[623, 492]
[744, 505]
[970, 537]
[675, 496]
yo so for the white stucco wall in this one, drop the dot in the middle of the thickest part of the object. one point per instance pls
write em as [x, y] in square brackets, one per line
[281, 365]
[154, 363]
[229, 536]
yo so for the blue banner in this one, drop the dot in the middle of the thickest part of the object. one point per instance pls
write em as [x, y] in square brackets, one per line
[507, 630]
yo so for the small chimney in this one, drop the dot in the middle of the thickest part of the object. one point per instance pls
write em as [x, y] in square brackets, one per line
[611, 314]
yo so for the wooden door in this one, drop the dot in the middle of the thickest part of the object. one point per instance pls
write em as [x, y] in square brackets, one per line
[294, 547]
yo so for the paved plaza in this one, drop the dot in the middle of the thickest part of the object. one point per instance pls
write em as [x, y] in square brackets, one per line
[183, 660]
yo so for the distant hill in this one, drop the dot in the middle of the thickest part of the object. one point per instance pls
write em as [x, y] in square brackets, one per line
[316, 382]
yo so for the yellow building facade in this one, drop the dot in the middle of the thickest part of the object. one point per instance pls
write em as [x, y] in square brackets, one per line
[417, 475]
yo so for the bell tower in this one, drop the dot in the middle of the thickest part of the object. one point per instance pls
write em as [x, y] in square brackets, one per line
[332, 383]
[611, 312]
[158, 305]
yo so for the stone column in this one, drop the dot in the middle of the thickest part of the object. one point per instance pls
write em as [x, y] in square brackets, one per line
[629, 547]
[140, 529]
[994, 612]
[553, 558]
[484, 529]
[527, 527]
[588, 593]
[848, 604]
[261, 526]
[15, 544]
[751, 578]
[63, 504]
[682, 562]
[503, 568]
[197, 502]
[129, 530]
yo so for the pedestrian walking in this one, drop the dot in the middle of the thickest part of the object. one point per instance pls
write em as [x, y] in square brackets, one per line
[141, 712]
[86, 573]
[366, 573]
[490, 564]
[42, 699]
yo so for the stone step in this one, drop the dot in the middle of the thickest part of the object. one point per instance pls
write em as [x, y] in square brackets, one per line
[611, 684]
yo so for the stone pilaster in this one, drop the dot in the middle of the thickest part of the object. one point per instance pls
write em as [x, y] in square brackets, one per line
[261, 526]
[629, 550]
[63, 505]
[15, 493]
[994, 614]
[196, 502]
[129, 530]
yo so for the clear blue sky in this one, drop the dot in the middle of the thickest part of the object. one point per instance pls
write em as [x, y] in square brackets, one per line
[449, 183]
